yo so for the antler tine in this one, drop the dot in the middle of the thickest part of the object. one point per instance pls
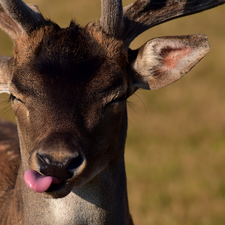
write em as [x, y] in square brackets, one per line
[112, 17]
[143, 14]
[27, 17]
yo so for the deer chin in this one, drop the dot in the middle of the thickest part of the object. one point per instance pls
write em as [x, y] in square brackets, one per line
[47, 186]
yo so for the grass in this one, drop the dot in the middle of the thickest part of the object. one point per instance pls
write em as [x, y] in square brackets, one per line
[175, 151]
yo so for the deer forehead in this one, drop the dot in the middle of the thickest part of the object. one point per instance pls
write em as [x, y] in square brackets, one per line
[71, 61]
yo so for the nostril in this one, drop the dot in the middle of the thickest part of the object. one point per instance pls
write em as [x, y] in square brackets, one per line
[61, 169]
[43, 161]
[75, 163]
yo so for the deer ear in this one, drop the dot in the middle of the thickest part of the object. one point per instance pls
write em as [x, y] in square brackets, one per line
[162, 61]
[17, 18]
[4, 74]
[8, 25]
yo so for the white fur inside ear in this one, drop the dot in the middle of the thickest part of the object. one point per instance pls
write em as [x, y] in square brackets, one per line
[147, 59]
[4, 88]
[162, 61]
[173, 58]
[5, 76]
[34, 7]
[166, 54]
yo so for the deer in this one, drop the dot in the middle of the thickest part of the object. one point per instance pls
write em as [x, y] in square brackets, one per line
[64, 162]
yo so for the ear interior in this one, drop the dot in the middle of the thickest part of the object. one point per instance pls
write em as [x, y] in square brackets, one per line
[4, 74]
[13, 22]
[4, 88]
[8, 25]
[162, 61]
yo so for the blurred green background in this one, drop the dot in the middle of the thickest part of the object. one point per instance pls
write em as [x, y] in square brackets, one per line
[175, 151]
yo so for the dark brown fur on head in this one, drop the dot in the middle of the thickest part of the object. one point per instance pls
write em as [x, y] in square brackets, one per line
[51, 55]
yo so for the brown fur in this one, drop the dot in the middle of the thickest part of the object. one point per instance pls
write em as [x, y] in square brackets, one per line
[43, 61]
[10, 160]
[68, 91]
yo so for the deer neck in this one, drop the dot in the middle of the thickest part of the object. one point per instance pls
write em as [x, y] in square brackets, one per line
[101, 201]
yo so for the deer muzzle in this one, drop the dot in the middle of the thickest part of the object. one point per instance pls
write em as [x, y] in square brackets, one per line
[56, 161]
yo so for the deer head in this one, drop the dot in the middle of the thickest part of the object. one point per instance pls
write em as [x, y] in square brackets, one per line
[68, 87]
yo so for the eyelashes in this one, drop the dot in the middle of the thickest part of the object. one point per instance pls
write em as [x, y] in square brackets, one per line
[13, 98]
[118, 100]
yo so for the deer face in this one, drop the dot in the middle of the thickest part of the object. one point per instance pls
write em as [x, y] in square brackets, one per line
[66, 95]
[69, 87]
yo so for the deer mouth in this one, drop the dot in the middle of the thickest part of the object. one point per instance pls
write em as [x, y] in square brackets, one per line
[40, 183]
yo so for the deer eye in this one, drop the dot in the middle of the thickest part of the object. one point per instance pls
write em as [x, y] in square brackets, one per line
[12, 98]
[118, 100]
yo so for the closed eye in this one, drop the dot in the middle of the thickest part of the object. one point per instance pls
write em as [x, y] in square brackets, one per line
[12, 98]
[118, 100]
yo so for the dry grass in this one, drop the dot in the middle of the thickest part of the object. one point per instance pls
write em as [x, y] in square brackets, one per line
[175, 152]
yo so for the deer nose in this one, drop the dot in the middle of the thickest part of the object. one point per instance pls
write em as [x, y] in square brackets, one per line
[62, 170]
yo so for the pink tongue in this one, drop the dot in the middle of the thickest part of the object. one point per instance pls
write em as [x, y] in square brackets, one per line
[37, 182]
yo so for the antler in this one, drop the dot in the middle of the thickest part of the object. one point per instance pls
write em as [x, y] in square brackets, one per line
[112, 17]
[143, 14]
[17, 17]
